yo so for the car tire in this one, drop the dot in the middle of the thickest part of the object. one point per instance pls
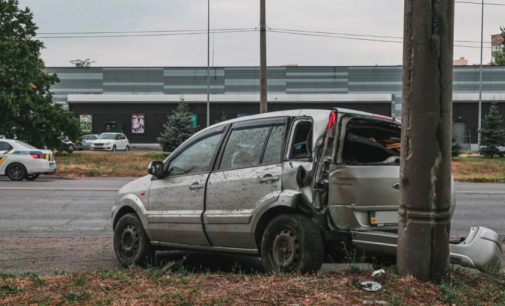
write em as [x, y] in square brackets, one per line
[71, 148]
[131, 244]
[292, 243]
[32, 177]
[114, 148]
[127, 148]
[16, 172]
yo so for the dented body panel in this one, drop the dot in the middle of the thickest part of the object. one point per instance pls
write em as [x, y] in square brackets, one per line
[339, 167]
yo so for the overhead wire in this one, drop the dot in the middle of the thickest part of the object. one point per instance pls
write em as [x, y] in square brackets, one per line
[148, 35]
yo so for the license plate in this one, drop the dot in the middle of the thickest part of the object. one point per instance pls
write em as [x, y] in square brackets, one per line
[383, 218]
[51, 165]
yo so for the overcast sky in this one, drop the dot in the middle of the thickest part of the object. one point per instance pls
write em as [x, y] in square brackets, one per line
[363, 17]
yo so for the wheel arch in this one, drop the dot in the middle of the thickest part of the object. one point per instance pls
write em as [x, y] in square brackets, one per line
[121, 212]
[265, 219]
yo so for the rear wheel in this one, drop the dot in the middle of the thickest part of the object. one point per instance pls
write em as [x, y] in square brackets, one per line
[291, 243]
[16, 172]
[131, 244]
[32, 177]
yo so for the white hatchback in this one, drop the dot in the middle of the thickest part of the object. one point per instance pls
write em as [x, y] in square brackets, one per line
[19, 160]
[111, 142]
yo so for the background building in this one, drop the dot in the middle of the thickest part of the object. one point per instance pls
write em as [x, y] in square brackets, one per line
[117, 94]
[460, 62]
[496, 45]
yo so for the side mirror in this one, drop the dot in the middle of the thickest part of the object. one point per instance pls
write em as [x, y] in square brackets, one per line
[156, 168]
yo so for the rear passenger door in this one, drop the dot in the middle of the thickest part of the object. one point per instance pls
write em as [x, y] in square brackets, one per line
[249, 169]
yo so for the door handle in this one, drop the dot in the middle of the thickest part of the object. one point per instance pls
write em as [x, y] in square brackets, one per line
[269, 178]
[195, 186]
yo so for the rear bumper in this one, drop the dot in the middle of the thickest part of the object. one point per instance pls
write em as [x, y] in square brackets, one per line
[482, 249]
[41, 167]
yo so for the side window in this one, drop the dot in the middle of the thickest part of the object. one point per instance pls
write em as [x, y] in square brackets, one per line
[93, 137]
[123, 136]
[301, 141]
[273, 150]
[244, 148]
[4, 146]
[118, 136]
[196, 158]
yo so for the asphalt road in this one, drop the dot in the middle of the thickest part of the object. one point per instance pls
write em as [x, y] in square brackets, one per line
[81, 207]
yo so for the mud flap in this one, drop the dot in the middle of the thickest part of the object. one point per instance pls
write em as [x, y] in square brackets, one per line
[482, 249]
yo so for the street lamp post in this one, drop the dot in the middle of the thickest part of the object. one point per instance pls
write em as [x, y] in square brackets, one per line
[208, 62]
[480, 77]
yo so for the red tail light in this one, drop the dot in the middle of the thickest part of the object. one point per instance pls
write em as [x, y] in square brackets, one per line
[333, 119]
[35, 155]
[384, 117]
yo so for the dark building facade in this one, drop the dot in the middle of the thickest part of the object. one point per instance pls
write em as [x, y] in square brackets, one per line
[116, 94]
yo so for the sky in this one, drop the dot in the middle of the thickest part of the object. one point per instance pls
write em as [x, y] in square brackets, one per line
[360, 17]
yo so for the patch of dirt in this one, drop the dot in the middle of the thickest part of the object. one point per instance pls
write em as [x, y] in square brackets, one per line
[47, 255]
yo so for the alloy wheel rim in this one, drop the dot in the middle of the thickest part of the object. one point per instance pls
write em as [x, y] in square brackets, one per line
[16, 171]
[285, 250]
[129, 241]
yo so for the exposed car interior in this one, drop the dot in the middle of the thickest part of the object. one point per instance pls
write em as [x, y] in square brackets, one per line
[371, 142]
[301, 144]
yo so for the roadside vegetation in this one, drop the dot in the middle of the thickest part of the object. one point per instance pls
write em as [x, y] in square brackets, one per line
[90, 164]
[467, 167]
[477, 168]
[155, 286]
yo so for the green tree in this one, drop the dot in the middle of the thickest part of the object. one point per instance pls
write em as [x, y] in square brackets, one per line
[224, 117]
[499, 57]
[456, 147]
[26, 103]
[178, 128]
[492, 133]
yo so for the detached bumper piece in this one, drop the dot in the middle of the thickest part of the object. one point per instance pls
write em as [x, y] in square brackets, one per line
[482, 249]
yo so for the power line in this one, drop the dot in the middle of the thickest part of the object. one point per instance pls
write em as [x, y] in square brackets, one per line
[361, 35]
[148, 35]
[355, 38]
[150, 31]
[480, 3]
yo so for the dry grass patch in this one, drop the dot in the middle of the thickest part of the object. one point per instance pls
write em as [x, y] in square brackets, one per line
[79, 164]
[154, 287]
[477, 168]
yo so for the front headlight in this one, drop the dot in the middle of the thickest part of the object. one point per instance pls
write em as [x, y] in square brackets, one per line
[107, 144]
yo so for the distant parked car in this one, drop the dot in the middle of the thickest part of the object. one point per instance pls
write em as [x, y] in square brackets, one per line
[85, 142]
[19, 160]
[110, 142]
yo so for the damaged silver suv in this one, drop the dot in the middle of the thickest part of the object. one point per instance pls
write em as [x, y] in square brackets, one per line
[283, 185]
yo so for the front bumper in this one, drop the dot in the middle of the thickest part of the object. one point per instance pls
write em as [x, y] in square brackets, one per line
[109, 148]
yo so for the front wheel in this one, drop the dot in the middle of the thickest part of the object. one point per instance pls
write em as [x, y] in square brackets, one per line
[291, 243]
[16, 172]
[32, 177]
[131, 244]
[127, 148]
[114, 148]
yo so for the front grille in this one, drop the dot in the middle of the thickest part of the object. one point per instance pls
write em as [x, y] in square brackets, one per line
[98, 144]
[102, 148]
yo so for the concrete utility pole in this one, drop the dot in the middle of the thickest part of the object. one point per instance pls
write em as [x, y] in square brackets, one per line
[263, 58]
[425, 172]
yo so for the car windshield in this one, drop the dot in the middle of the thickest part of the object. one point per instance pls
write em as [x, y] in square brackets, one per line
[107, 136]
[24, 144]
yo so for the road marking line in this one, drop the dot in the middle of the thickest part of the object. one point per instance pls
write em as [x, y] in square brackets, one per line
[59, 189]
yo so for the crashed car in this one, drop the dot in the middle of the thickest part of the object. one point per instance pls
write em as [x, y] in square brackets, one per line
[283, 185]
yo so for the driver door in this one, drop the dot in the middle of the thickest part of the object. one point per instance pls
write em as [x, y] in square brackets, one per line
[176, 202]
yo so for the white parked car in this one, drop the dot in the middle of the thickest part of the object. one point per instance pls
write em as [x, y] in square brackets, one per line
[111, 142]
[19, 160]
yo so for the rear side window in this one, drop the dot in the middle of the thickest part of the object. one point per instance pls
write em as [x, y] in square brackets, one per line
[92, 137]
[273, 149]
[244, 147]
[4, 146]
